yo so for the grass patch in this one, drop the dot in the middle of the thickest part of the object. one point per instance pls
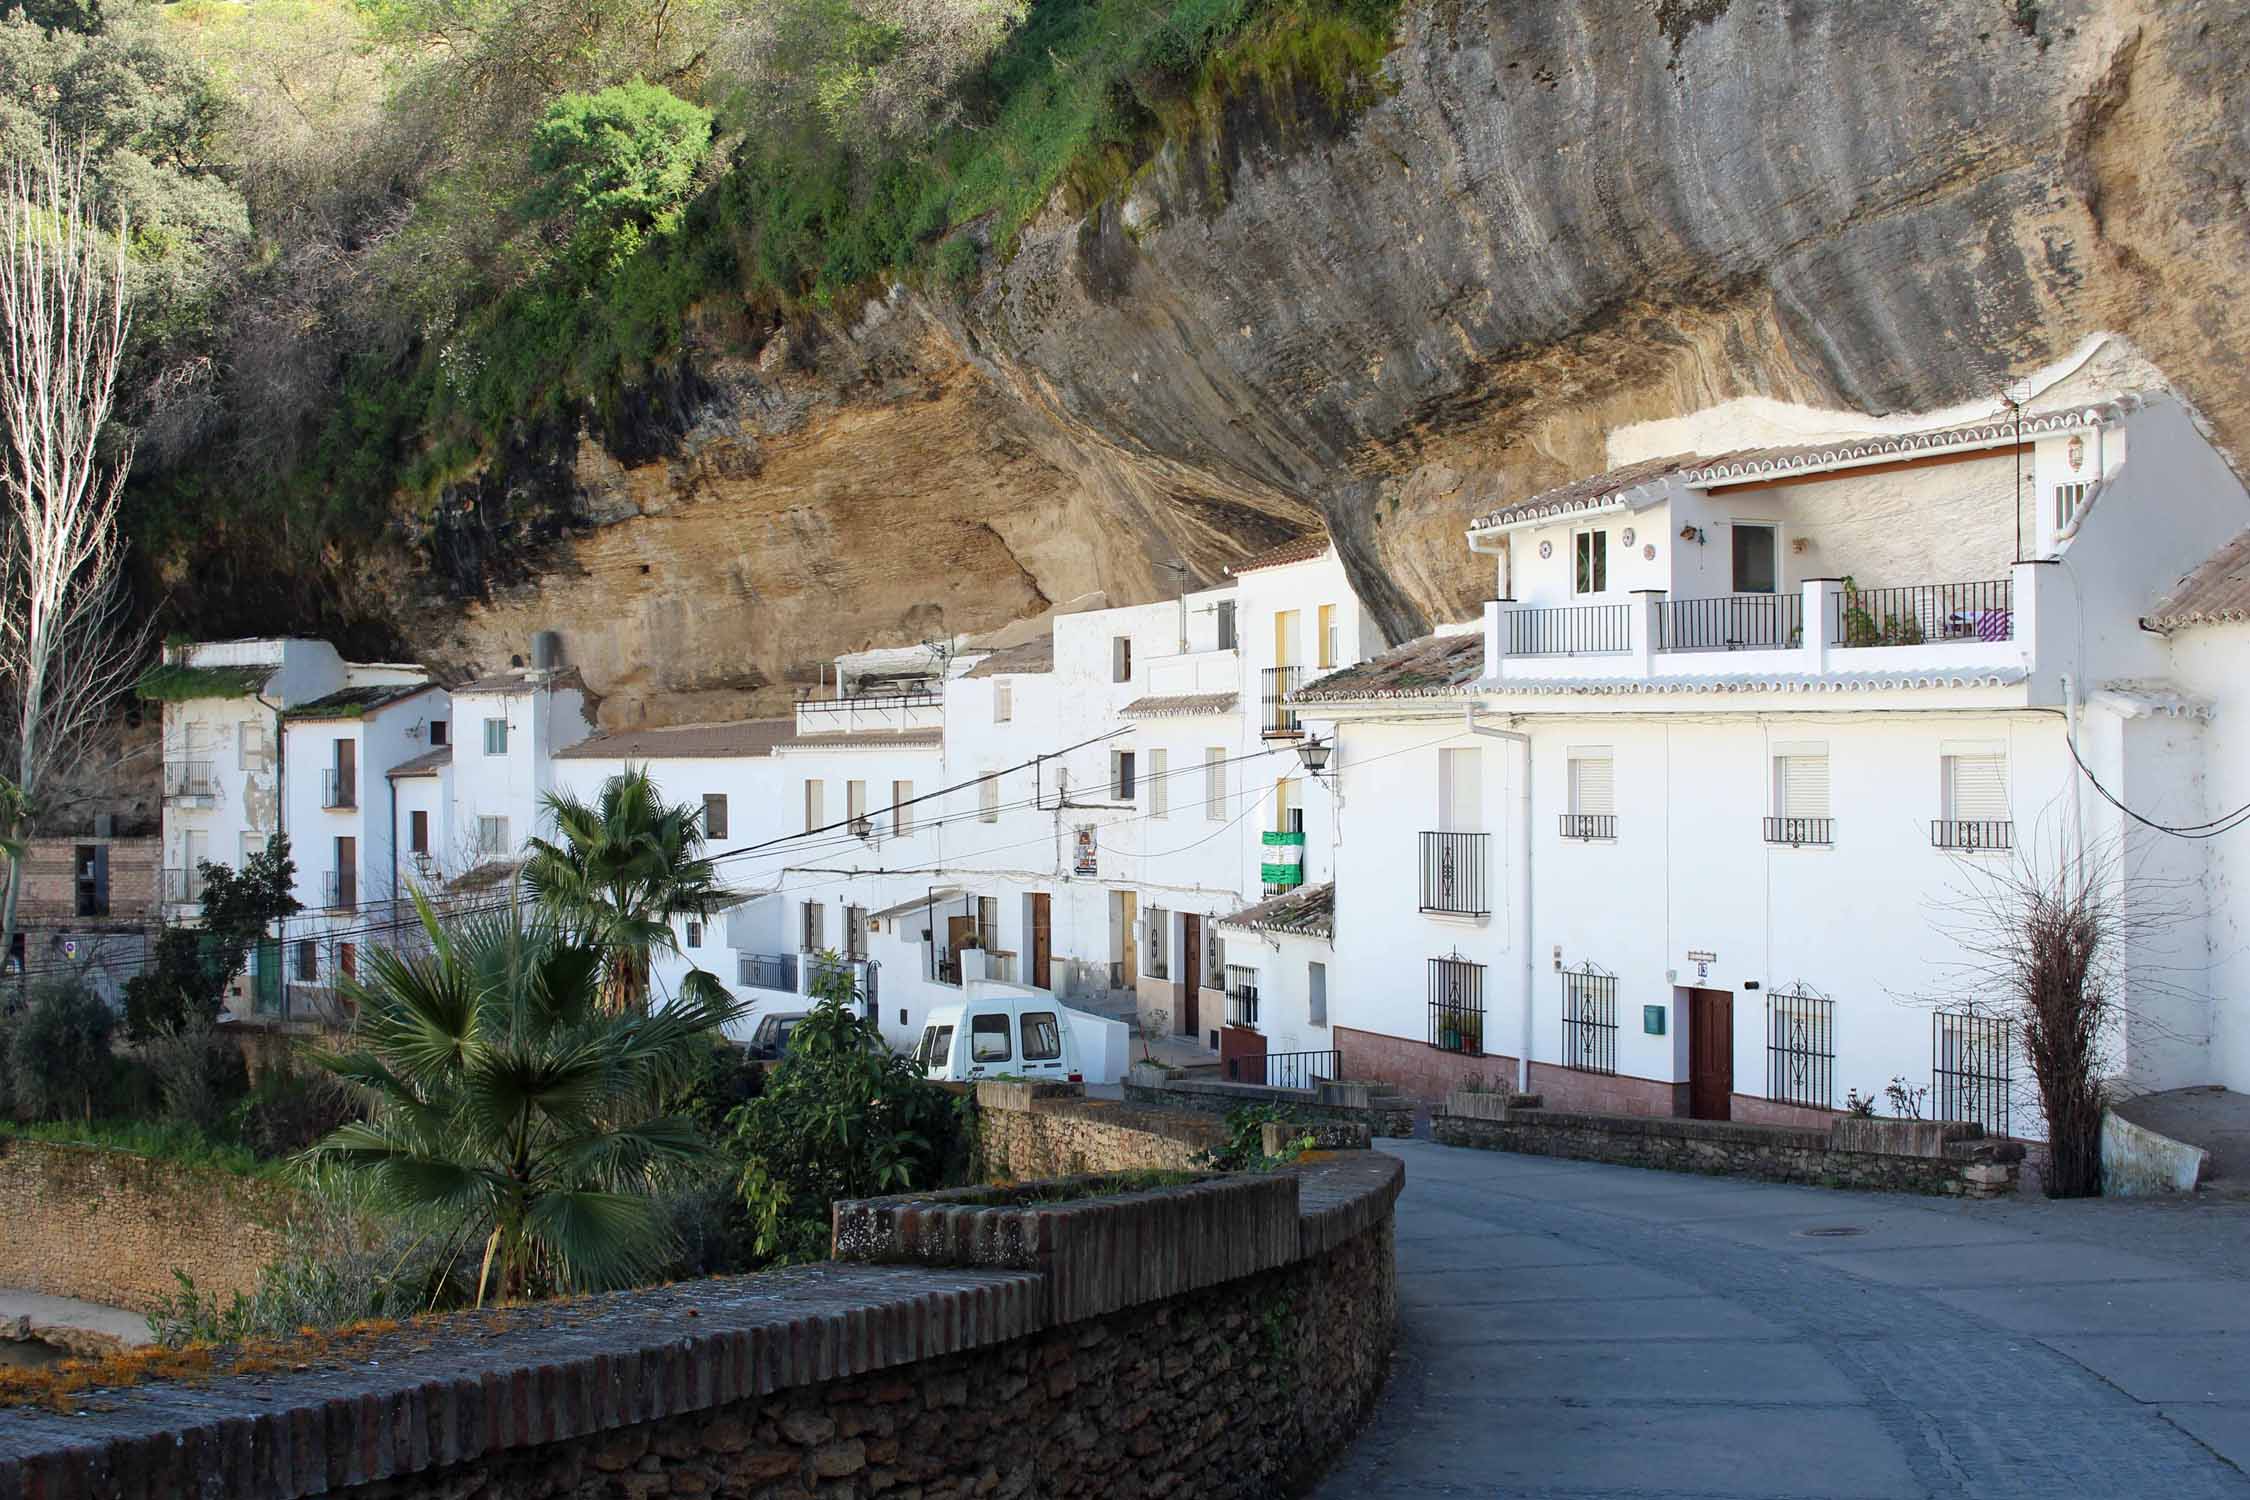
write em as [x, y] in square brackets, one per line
[170, 1141]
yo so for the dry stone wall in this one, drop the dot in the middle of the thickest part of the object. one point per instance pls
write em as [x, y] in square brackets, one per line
[1026, 1135]
[110, 1227]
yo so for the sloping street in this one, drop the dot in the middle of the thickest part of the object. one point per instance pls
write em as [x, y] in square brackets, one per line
[1575, 1330]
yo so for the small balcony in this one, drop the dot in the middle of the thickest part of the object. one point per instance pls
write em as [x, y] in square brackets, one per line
[1571, 630]
[190, 782]
[183, 887]
[339, 890]
[766, 971]
[878, 712]
[1279, 720]
[339, 788]
[1973, 835]
[1799, 833]
[1589, 828]
[1453, 866]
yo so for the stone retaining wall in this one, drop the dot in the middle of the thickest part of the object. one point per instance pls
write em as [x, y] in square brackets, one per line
[908, 1382]
[1383, 1115]
[109, 1226]
[1922, 1157]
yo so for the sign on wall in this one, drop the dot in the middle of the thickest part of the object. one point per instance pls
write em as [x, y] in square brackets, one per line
[1086, 861]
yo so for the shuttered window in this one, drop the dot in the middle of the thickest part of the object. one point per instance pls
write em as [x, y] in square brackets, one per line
[988, 800]
[1976, 788]
[902, 812]
[1592, 783]
[1215, 784]
[1801, 784]
[1159, 785]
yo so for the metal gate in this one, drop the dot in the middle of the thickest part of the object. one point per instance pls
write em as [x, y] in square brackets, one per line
[1972, 1069]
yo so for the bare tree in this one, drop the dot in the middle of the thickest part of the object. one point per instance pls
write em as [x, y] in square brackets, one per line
[68, 646]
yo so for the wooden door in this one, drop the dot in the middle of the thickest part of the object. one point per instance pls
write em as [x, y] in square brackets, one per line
[1042, 941]
[959, 932]
[347, 773]
[1710, 1054]
[1128, 921]
[1191, 972]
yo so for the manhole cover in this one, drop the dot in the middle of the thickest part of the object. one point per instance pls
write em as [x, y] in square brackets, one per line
[1832, 1232]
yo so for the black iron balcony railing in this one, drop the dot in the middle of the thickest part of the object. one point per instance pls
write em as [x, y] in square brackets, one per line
[767, 971]
[339, 788]
[339, 889]
[1972, 833]
[1923, 612]
[1571, 630]
[183, 887]
[1280, 719]
[1797, 832]
[1453, 874]
[1732, 622]
[188, 778]
[1589, 825]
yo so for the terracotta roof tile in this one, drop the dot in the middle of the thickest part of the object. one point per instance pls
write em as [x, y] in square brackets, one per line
[2218, 592]
[739, 737]
[866, 739]
[1031, 657]
[428, 763]
[1596, 490]
[1436, 666]
[1309, 909]
[1299, 549]
[1177, 705]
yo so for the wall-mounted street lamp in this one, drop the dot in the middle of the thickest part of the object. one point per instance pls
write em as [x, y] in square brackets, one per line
[863, 828]
[1314, 753]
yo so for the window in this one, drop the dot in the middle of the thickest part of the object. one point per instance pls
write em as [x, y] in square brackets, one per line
[2068, 497]
[815, 814]
[855, 801]
[253, 844]
[1316, 993]
[1003, 700]
[1589, 1020]
[1461, 790]
[1756, 558]
[1155, 945]
[1215, 784]
[1042, 1036]
[1159, 789]
[1800, 796]
[496, 736]
[810, 932]
[1121, 658]
[1288, 817]
[855, 932]
[1592, 795]
[988, 800]
[1214, 959]
[346, 894]
[1974, 795]
[1328, 640]
[937, 1045]
[1228, 640]
[902, 807]
[714, 815]
[1801, 1048]
[92, 864]
[1457, 1005]
[347, 960]
[1121, 775]
[308, 961]
[988, 1039]
[492, 837]
[253, 746]
[988, 923]
[1589, 552]
[695, 934]
[418, 832]
[438, 733]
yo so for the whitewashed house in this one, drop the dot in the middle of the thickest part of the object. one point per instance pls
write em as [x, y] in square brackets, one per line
[1690, 822]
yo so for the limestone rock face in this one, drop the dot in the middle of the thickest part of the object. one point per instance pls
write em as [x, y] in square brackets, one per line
[1558, 218]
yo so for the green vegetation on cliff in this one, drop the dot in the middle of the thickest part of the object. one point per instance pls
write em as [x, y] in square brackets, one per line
[396, 236]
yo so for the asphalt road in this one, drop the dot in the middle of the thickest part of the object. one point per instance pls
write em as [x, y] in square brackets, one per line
[1573, 1330]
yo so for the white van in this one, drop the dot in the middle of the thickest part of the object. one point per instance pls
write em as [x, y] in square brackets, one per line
[1020, 1036]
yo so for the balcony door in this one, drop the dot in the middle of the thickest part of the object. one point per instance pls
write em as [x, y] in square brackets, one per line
[1757, 558]
[1285, 638]
[1191, 973]
[1039, 927]
[347, 773]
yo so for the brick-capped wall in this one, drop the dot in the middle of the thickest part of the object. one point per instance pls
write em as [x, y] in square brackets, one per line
[1056, 1136]
[109, 1227]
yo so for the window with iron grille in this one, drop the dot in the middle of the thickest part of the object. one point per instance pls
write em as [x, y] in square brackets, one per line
[1589, 1020]
[1457, 1005]
[1800, 796]
[1801, 1047]
[855, 932]
[1974, 787]
[1592, 792]
[1155, 942]
[1972, 1069]
[1242, 995]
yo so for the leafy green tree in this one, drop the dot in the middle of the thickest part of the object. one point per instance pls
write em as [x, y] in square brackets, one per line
[618, 165]
[842, 1116]
[186, 984]
[620, 871]
[505, 1098]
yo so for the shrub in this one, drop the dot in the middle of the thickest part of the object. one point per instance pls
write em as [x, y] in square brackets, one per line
[842, 1116]
[618, 164]
[287, 1111]
[59, 1058]
[199, 1074]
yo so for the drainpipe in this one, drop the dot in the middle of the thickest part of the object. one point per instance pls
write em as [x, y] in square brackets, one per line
[1523, 881]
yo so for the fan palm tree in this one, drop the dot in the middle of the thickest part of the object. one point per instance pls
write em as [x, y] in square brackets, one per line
[619, 873]
[505, 1095]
